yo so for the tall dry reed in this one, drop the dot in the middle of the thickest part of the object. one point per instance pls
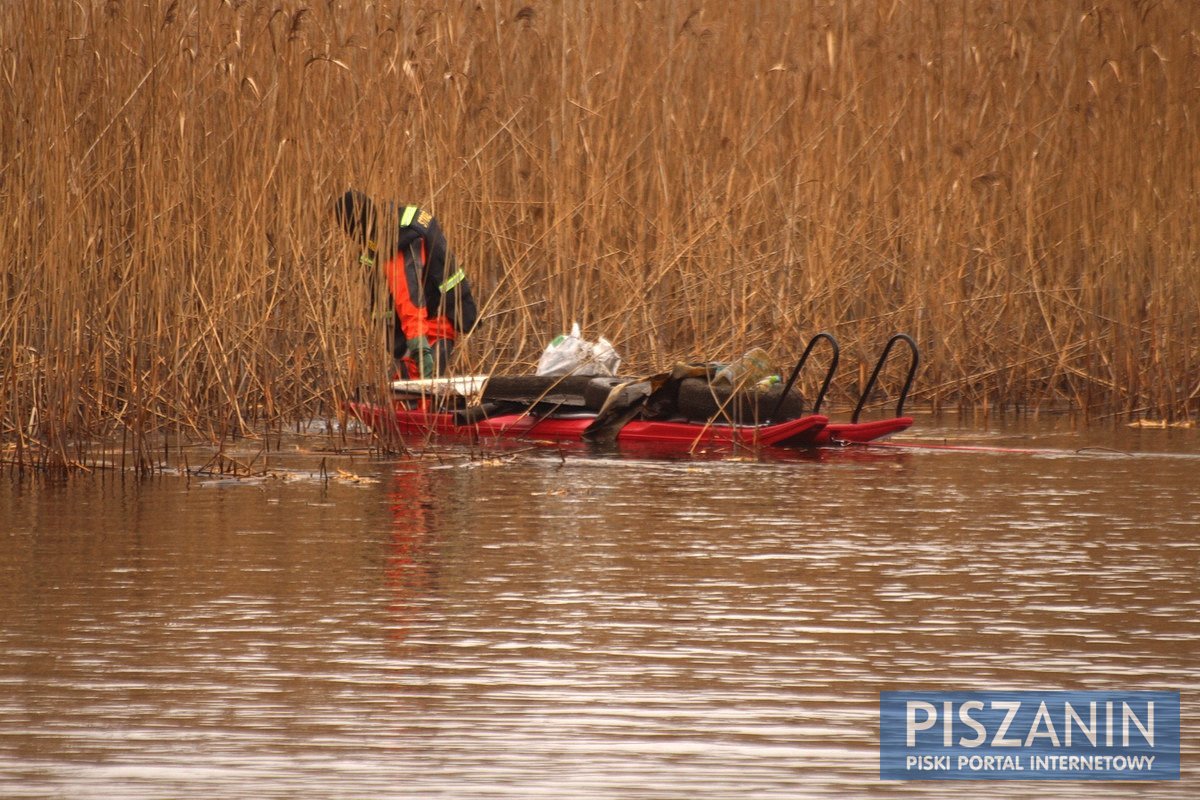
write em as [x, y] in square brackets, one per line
[1014, 183]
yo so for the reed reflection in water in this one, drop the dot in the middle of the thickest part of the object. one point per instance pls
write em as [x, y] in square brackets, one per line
[594, 627]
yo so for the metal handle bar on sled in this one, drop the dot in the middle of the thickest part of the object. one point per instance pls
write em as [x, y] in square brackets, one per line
[912, 370]
[800, 366]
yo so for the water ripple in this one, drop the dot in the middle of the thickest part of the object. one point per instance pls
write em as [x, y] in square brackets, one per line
[599, 627]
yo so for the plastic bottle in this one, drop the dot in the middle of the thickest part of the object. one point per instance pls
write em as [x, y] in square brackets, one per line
[752, 367]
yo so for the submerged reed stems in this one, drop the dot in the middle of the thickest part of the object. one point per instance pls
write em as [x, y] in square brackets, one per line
[1014, 184]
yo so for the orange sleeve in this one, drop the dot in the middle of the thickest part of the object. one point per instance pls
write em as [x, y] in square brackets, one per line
[414, 321]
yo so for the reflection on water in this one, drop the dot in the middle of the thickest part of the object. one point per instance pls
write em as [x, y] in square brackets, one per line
[590, 627]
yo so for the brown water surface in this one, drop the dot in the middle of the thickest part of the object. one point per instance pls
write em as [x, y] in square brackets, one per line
[600, 626]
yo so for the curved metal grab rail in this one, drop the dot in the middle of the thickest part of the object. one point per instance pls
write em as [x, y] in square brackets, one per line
[912, 370]
[800, 366]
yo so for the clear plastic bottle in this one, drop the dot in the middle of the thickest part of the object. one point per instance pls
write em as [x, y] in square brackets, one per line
[752, 367]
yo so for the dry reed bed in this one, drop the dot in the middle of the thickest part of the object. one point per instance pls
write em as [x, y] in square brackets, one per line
[1014, 183]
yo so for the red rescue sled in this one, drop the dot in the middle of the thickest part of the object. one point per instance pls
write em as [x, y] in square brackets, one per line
[794, 433]
[413, 415]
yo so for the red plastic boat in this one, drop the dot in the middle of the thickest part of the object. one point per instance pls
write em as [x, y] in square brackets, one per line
[413, 415]
[813, 430]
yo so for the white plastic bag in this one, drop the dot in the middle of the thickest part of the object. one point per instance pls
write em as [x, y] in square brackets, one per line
[570, 354]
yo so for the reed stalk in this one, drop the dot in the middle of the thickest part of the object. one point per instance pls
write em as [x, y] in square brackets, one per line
[1014, 183]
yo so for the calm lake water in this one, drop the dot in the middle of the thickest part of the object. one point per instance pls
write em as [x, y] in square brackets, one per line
[599, 625]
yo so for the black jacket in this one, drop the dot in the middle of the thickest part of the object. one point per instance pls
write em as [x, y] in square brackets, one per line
[435, 281]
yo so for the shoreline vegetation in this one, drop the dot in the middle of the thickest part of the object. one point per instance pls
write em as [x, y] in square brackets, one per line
[1014, 184]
